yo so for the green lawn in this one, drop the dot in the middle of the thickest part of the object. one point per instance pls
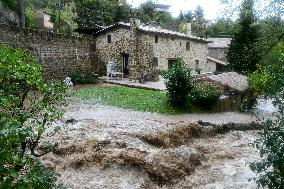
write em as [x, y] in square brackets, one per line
[136, 99]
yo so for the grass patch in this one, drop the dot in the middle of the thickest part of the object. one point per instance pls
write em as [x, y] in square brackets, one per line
[136, 99]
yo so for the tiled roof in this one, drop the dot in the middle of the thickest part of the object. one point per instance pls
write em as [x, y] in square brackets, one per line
[219, 42]
[153, 29]
[232, 79]
[216, 60]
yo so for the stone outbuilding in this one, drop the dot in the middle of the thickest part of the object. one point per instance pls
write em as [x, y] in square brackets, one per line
[143, 48]
[235, 90]
[43, 20]
[217, 52]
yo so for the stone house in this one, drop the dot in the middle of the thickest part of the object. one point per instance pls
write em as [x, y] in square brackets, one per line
[140, 48]
[43, 21]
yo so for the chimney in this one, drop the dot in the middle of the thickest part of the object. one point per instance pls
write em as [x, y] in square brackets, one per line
[188, 29]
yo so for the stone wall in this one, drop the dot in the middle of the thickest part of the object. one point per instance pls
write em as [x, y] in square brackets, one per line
[60, 55]
[218, 53]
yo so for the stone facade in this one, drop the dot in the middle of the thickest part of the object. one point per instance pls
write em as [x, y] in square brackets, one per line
[218, 48]
[218, 53]
[60, 55]
[148, 49]
[169, 48]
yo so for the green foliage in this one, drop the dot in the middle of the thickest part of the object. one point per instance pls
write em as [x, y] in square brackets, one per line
[11, 4]
[271, 34]
[179, 83]
[197, 20]
[243, 53]
[204, 95]
[268, 79]
[66, 9]
[84, 78]
[93, 13]
[147, 14]
[28, 106]
[270, 168]
[136, 99]
[222, 28]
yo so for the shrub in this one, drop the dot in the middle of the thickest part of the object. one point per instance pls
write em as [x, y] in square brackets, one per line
[268, 81]
[28, 106]
[179, 83]
[86, 78]
[270, 168]
[164, 73]
[205, 95]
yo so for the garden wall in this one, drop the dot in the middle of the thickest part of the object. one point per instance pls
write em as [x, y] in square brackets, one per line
[60, 55]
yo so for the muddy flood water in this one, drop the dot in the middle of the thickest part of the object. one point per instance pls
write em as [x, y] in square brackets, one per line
[107, 147]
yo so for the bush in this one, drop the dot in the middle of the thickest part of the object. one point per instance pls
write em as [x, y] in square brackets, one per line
[86, 78]
[268, 81]
[270, 168]
[179, 83]
[205, 95]
[27, 107]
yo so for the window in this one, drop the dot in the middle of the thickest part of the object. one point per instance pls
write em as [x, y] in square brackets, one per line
[108, 38]
[197, 65]
[179, 43]
[155, 62]
[156, 39]
[188, 46]
[173, 39]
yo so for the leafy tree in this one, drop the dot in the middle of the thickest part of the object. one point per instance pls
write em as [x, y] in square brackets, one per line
[271, 34]
[12, 4]
[268, 78]
[268, 81]
[243, 53]
[92, 13]
[198, 22]
[63, 13]
[199, 26]
[270, 168]
[147, 13]
[222, 27]
[189, 16]
[181, 16]
[28, 106]
[179, 83]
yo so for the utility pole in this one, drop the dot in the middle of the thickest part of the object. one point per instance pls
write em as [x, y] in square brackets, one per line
[22, 13]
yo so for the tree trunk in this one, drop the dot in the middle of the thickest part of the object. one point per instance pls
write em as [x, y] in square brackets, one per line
[22, 13]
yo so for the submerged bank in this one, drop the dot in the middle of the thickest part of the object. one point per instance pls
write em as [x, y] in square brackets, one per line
[107, 147]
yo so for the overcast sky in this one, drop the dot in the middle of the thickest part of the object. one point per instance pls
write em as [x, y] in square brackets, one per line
[210, 7]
